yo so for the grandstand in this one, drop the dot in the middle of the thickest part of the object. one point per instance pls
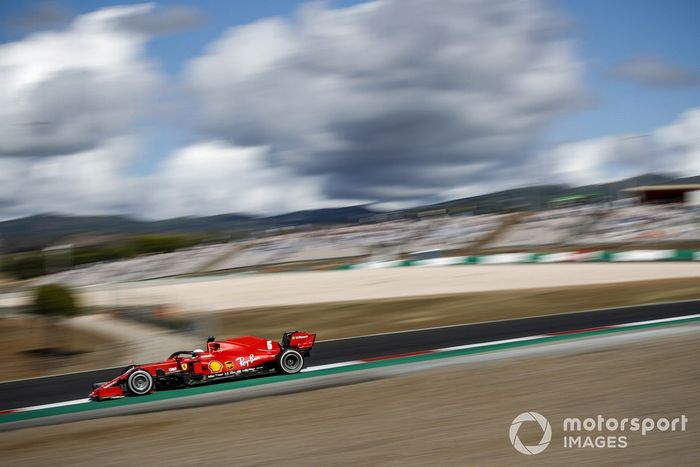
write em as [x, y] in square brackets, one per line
[557, 226]
[388, 239]
[626, 221]
[453, 232]
[645, 223]
[142, 268]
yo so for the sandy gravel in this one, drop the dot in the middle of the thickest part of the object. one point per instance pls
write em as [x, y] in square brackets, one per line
[457, 416]
[246, 291]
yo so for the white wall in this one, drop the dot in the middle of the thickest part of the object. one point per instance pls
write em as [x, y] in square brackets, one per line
[692, 198]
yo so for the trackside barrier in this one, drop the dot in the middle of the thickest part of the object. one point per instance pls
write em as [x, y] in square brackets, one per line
[542, 258]
[644, 255]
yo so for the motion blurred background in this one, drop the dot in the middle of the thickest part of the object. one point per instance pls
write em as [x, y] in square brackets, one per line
[406, 163]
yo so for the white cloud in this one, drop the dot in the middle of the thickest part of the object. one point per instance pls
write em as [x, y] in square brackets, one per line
[95, 181]
[214, 177]
[395, 102]
[210, 177]
[67, 91]
[674, 148]
[69, 103]
[391, 100]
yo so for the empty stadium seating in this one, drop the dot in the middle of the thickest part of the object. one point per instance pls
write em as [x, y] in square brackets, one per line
[579, 225]
[646, 223]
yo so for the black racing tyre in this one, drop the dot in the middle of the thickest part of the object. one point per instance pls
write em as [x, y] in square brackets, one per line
[139, 382]
[289, 362]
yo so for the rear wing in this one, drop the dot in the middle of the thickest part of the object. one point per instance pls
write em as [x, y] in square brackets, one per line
[298, 340]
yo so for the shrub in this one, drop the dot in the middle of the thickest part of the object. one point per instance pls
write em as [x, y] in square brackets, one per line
[55, 301]
[25, 265]
[146, 244]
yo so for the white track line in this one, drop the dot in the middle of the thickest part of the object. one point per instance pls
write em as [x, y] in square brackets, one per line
[484, 344]
[653, 321]
[51, 406]
[332, 365]
[356, 362]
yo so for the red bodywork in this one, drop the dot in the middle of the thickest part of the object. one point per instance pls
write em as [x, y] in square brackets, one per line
[238, 357]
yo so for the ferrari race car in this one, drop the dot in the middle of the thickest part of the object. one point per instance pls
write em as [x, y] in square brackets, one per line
[232, 358]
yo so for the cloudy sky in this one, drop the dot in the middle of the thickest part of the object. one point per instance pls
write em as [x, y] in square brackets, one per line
[168, 109]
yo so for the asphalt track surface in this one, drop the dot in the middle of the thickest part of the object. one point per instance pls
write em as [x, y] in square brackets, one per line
[51, 389]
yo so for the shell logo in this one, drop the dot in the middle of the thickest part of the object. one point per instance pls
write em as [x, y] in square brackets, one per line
[215, 366]
[183, 366]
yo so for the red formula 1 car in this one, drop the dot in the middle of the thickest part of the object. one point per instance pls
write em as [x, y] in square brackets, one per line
[232, 358]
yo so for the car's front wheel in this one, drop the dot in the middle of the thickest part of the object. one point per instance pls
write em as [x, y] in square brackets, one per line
[290, 362]
[139, 382]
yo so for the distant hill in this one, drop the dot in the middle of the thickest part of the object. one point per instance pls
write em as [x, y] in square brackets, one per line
[47, 229]
[648, 179]
[320, 216]
[513, 199]
[538, 196]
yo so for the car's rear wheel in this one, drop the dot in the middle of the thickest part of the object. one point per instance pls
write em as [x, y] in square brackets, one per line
[290, 362]
[139, 382]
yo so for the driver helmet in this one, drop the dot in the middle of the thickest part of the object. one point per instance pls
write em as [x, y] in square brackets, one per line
[198, 351]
